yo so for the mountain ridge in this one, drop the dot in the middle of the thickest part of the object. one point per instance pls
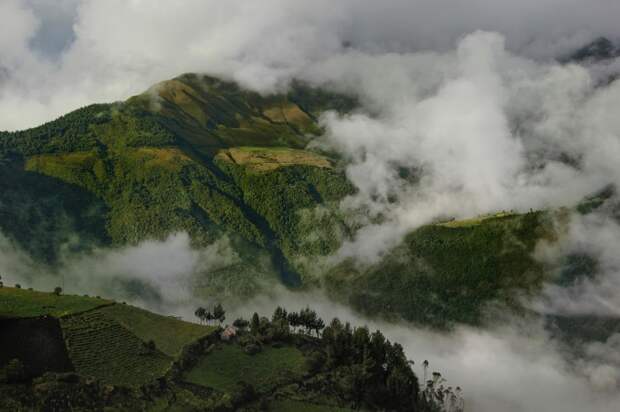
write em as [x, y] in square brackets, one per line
[176, 159]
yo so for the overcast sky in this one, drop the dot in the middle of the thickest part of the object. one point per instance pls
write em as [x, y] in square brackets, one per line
[58, 55]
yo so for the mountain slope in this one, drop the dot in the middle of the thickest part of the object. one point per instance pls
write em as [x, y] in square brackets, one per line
[179, 161]
[203, 156]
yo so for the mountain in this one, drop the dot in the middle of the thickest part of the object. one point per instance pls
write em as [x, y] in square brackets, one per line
[192, 154]
[600, 49]
[204, 156]
[86, 353]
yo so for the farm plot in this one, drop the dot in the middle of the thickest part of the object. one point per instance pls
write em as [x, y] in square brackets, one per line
[101, 347]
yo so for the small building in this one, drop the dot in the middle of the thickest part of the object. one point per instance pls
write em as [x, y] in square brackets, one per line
[228, 333]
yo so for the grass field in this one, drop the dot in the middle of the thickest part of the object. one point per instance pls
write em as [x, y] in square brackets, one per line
[264, 159]
[476, 220]
[287, 405]
[169, 334]
[100, 346]
[226, 366]
[21, 303]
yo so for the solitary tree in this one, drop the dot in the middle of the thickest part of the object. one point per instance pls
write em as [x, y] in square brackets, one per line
[57, 290]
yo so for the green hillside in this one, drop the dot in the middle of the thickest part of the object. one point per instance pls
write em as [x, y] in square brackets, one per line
[203, 156]
[192, 154]
[20, 303]
[450, 272]
[88, 356]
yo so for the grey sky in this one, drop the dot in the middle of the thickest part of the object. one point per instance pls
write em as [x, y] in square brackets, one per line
[55, 32]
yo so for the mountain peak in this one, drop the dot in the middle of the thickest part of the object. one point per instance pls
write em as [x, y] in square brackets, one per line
[598, 50]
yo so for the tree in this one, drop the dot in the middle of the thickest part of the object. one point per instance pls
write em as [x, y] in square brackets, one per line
[255, 324]
[200, 314]
[309, 320]
[219, 313]
[208, 316]
[293, 320]
[57, 290]
[18, 286]
[318, 325]
[279, 314]
[149, 347]
[241, 324]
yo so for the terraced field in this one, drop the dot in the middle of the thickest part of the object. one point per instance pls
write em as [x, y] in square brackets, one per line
[169, 334]
[101, 347]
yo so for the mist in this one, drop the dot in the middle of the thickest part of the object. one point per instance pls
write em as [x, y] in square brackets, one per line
[513, 366]
[161, 276]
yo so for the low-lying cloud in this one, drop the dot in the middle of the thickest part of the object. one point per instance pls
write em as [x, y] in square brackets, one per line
[159, 275]
[515, 367]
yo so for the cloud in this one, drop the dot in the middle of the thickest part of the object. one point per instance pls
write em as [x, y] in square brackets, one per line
[591, 294]
[476, 130]
[162, 276]
[82, 51]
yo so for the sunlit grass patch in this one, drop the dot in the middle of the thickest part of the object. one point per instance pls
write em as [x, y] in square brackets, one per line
[21, 303]
[264, 159]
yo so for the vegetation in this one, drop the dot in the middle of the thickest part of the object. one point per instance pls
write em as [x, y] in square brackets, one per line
[310, 366]
[170, 335]
[442, 273]
[291, 405]
[225, 367]
[101, 347]
[150, 167]
[199, 155]
[21, 303]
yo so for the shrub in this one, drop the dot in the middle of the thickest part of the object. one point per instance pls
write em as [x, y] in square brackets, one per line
[15, 371]
[252, 349]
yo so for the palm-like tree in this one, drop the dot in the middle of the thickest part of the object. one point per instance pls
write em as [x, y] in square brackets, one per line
[200, 314]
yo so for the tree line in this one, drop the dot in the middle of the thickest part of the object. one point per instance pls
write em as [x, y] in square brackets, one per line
[364, 367]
